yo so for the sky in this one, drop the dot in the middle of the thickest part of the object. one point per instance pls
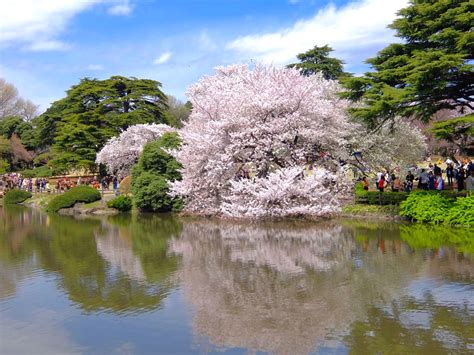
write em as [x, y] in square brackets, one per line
[46, 46]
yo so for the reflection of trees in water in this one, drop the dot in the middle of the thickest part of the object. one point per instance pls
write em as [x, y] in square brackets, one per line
[16, 229]
[414, 326]
[282, 288]
[67, 248]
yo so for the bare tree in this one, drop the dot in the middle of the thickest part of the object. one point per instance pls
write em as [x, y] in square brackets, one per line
[11, 104]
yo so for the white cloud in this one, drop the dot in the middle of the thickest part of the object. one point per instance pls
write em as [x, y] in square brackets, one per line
[121, 8]
[206, 43]
[48, 45]
[348, 29]
[163, 58]
[95, 67]
[37, 24]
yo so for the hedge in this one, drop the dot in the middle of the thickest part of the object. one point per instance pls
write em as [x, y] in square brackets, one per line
[16, 196]
[121, 203]
[395, 198]
[68, 199]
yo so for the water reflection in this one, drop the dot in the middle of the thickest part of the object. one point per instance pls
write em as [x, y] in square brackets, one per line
[100, 265]
[280, 287]
[283, 288]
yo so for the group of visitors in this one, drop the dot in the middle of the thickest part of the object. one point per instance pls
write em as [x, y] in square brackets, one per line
[55, 185]
[459, 176]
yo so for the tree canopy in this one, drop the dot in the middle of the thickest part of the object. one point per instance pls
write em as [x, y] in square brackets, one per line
[93, 111]
[317, 60]
[430, 70]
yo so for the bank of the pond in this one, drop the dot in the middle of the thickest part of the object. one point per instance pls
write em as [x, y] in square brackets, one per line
[375, 212]
[97, 208]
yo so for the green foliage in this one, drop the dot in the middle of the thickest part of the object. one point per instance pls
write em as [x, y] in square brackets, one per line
[68, 199]
[151, 175]
[431, 70]
[41, 171]
[458, 131]
[317, 60]
[426, 207]
[16, 125]
[462, 212]
[16, 196]
[420, 236]
[121, 203]
[365, 209]
[377, 197]
[94, 111]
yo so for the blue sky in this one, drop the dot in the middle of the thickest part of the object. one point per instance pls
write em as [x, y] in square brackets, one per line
[48, 45]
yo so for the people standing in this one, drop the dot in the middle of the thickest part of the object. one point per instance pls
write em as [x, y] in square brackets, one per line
[424, 179]
[470, 181]
[460, 177]
[439, 183]
[381, 183]
[450, 174]
[396, 184]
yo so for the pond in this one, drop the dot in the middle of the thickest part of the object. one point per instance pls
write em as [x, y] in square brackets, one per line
[148, 284]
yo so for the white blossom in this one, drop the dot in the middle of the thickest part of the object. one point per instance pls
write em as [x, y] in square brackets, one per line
[250, 138]
[122, 152]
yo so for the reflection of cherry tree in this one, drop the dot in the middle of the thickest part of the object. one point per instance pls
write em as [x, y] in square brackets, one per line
[118, 252]
[281, 288]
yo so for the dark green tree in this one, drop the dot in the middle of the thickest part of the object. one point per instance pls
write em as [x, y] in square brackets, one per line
[317, 60]
[23, 129]
[93, 111]
[153, 171]
[430, 70]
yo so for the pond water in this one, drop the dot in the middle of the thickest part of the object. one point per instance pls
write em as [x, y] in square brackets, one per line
[151, 284]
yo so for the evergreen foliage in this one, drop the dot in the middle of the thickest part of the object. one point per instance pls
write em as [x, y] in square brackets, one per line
[430, 70]
[68, 199]
[16, 196]
[151, 175]
[317, 60]
[93, 111]
[459, 131]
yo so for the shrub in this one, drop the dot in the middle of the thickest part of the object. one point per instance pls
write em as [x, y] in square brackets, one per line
[125, 187]
[462, 212]
[426, 207]
[41, 171]
[71, 197]
[151, 175]
[121, 203]
[377, 197]
[16, 196]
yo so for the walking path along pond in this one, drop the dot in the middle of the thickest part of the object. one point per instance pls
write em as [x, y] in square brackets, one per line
[148, 284]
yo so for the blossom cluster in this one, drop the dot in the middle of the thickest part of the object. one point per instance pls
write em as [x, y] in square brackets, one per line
[250, 137]
[122, 152]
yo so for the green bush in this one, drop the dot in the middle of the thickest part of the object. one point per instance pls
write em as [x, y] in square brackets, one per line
[68, 199]
[462, 212]
[16, 196]
[427, 207]
[121, 203]
[151, 175]
[41, 171]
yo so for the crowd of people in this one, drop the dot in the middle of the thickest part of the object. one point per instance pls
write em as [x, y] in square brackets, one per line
[55, 185]
[459, 176]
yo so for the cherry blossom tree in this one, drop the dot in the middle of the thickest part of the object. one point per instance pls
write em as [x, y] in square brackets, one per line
[250, 138]
[395, 144]
[122, 152]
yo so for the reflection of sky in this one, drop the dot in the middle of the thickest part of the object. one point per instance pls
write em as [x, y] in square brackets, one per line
[40, 320]
[443, 293]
